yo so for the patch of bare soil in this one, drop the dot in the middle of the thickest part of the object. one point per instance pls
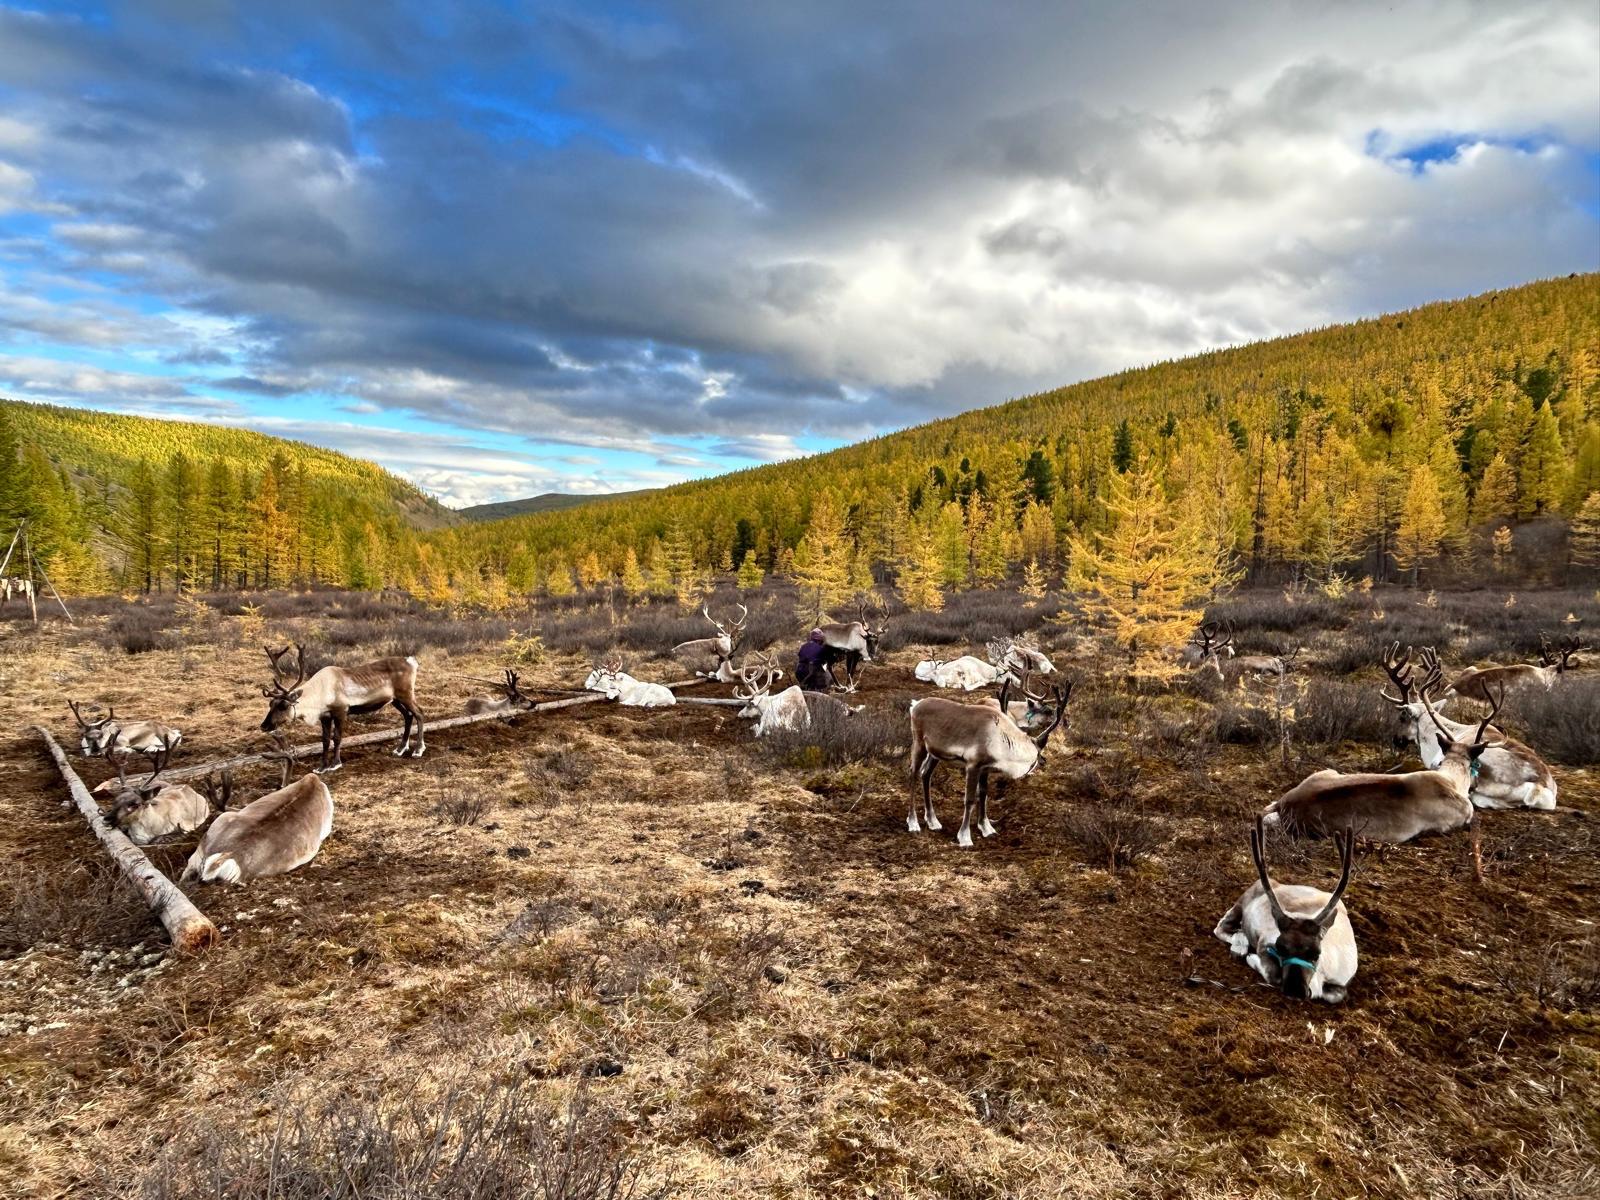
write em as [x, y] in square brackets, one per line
[743, 966]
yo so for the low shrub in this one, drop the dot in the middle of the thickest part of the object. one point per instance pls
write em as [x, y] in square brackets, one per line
[836, 738]
[499, 1143]
[1114, 832]
[1332, 711]
[1562, 724]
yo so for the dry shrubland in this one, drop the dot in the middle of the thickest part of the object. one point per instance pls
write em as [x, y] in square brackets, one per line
[601, 952]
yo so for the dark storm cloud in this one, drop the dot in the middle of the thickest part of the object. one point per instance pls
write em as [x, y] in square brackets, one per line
[756, 221]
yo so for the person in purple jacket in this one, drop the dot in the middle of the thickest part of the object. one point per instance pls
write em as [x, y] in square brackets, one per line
[809, 671]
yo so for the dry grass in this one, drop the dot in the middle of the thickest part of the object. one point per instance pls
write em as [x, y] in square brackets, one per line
[760, 983]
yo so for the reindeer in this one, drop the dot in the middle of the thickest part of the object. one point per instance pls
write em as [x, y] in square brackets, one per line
[1017, 659]
[333, 693]
[1475, 683]
[15, 585]
[985, 740]
[511, 700]
[270, 836]
[967, 673]
[109, 736]
[1260, 666]
[1198, 649]
[852, 643]
[1508, 775]
[1389, 808]
[608, 677]
[153, 809]
[794, 708]
[712, 657]
[1297, 938]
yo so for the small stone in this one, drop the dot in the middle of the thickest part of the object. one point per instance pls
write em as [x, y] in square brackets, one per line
[773, 973]
[518, 852]
[603, 1068]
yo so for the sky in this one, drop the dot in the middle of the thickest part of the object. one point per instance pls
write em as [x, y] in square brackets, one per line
[509, 248]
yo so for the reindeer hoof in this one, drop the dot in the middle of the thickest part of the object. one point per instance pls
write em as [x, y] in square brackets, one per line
[964, 840]
[417, 753]
[986, 829]
[911, 824]
[933, 823]
[330, 769]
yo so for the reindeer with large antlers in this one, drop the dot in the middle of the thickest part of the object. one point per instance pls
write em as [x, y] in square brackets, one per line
[1476, 683]
[852, 643]
[1295, 937]
[609, 678]
[1390, 808]
[712, 657]
[988, 744]
[510, 698]
[334, 693]
[1017, 659]
[108, 736]
[794, 708]
[1509, 774]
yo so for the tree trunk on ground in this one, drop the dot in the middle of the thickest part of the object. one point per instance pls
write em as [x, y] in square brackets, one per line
[188, 927]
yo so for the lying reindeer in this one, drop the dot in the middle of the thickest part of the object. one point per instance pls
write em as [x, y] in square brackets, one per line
[794, 708]
[1297, 938]
[510, 700]
[1508, 775]
[109, 736]
[608, 677]
[967, 673]
[985, 740]
[153, 810]
[334, 693]
[1389, 808]
[1475, 683]
[1018, 660]
[712, 658]
[270, 836]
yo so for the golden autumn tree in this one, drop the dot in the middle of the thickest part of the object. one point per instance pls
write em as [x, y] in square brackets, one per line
[634, 583]
[920, 570]
[1144, 580]
[1420, 536]
[822, 560]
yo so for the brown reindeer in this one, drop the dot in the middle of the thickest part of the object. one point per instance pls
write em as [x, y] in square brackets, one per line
[510, 699]
[1476, 683]
[852, 643]
[333, 693]
[270, 836]
[153, 809]
[985, 740]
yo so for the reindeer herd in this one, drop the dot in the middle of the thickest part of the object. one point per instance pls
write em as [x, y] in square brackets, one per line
[1296, 937]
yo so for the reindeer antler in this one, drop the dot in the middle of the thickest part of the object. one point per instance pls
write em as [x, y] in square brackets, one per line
[1398, 667]
[275, 657]
[73, 705]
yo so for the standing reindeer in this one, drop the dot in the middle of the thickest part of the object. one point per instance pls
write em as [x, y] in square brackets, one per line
[109, 736]
[15, 585]
[1476, 683]
[852, 643]
[1509, 774]
[794, 708]
[712, 657]
[985, 740]
[270, 836]
[1389, 808]
[1297, 938]
[608, 677]
[510, 700]
[333, 693]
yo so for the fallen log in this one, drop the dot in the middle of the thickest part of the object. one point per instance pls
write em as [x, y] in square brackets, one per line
[179, 774]
[188, 927]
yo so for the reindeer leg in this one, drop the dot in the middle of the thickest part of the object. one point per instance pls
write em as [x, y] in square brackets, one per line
[927, 792]
[984, 827]
[404, 748]
[964, 834]
[421, 746]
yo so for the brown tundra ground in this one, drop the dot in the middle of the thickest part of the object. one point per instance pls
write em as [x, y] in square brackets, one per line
[605, 951]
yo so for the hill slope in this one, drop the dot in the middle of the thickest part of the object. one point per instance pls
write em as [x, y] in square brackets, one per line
[542, 503]
[1299, 450]
[136, 502]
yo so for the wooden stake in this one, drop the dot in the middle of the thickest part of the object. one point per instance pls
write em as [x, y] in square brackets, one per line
[189, 928]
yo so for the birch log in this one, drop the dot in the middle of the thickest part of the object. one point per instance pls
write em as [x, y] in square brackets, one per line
[188, 927]
[201, 770]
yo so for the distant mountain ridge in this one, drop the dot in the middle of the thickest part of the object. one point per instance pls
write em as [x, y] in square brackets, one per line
[542, 503]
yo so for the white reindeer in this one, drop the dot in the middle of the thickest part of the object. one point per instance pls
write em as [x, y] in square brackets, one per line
[793, 709]
[967, 673]
[608, 677]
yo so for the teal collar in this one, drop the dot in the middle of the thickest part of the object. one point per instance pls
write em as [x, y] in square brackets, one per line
[1291, 962]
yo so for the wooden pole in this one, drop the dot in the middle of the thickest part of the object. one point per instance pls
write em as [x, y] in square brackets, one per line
[27, 561]
[369, 739]
[6, 561]
[188, 927]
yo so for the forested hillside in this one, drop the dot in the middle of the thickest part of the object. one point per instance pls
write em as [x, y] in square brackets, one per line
[131, 502]
[1388, 447]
